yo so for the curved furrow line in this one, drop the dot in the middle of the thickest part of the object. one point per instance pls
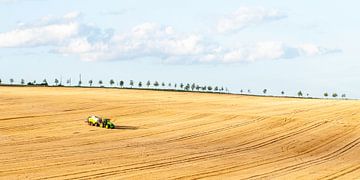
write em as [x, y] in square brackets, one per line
[261, 118]
[80, 110]
[280, 138]
[343, 172]
[221, 153]
[306, 164]
[235, 168]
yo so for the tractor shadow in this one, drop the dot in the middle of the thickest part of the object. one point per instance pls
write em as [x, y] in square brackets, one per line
[127, 127]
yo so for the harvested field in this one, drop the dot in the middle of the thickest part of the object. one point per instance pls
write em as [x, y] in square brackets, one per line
[174, 135]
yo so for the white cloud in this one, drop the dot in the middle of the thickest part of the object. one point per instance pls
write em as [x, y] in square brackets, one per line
[144, 40]
[72, 15]
[38, 36]
[68, 36]
[273, 51]
[48, 31]
[247, 16]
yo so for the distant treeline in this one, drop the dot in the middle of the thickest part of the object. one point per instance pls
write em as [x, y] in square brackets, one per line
[156, 85]
[123, 84]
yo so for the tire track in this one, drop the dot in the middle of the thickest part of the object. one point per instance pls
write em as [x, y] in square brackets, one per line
[232, 169]
[192, 159]
[343, 172]
[306, 164]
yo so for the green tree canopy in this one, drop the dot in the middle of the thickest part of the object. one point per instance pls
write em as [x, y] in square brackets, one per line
[56, 81]
[300, 94]
[112, 82]
[265, 91]
[156, 84]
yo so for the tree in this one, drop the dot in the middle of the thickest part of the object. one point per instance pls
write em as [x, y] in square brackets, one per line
[193, 86]
[282, 92]
[112, 82]
[68, 82]
[56, 81]
[203, 88]
[175, 85]
[121, 83]
[131, 83]
[209, 88]
[0, 81]
[148, 83]
[45, 83]
[163, 84]
[181, 85]
[80, 82]
[11, 81]
[300, 94]
[100, 82]
[249, 91]
[197, 87]
[156, 84]
[216, 88]
[140, 84]
[264, 91]
[90, 82]
[343, 95]
[187, 87]
[22, 81]
[334, 95]
[326, 94]
[169, 85]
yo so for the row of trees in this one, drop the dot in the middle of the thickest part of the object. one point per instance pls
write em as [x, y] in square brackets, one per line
[156, 84]
[300, 94]
[133, 84]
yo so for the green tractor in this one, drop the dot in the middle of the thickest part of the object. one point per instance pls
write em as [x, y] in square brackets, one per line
[100, 122]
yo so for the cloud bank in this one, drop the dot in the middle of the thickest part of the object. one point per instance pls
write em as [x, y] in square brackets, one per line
[67, 35]
[247, 16]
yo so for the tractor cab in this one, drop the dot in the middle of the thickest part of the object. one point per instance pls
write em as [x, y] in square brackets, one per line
[106, 123]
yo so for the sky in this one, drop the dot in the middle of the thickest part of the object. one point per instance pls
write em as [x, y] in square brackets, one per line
[279, 45]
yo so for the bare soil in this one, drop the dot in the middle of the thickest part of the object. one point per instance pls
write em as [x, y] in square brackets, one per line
[175, 135]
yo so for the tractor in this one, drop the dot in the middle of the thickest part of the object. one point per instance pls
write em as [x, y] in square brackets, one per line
[100, 122]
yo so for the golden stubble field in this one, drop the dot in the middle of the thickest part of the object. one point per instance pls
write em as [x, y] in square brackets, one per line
[172, 135]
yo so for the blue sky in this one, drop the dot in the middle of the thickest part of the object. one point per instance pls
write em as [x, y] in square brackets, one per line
[279, 45]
